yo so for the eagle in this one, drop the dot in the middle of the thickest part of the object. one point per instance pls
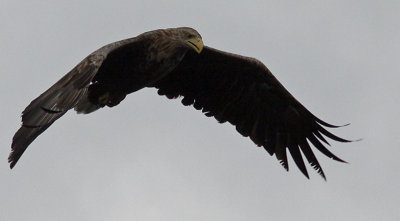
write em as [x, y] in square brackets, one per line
[231, 88]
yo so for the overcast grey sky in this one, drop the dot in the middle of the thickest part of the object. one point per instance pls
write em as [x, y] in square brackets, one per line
[154, 159]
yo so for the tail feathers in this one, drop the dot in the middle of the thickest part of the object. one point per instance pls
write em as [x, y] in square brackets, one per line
[85, 106]
[97, 96]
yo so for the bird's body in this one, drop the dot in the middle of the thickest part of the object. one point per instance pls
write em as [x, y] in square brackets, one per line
[138, 63]
[229, 87]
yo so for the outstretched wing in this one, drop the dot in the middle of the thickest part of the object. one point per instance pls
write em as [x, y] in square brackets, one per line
[52, 104]
[69, 91]
[244, 92]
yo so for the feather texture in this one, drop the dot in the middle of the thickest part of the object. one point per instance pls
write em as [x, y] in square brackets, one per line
[242, 91]
[231, 88]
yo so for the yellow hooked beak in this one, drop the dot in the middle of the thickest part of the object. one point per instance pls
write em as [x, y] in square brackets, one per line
[196, 44]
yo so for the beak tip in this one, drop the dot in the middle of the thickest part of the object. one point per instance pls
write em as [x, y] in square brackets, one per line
[196, 44]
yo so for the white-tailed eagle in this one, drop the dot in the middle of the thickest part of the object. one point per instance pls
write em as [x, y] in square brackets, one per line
[231, 88]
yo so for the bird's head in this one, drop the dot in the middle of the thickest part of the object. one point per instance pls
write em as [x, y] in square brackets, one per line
[172, 43]
[188, 37]
[193, 39]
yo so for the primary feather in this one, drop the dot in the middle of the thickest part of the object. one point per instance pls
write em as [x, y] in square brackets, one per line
[231, 88]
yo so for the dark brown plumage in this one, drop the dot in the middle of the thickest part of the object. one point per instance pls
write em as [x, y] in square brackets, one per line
[232, 88]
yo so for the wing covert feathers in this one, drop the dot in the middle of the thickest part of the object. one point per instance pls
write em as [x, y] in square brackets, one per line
[52, 104]
[243, 92]
[71, 91]
[231, 88]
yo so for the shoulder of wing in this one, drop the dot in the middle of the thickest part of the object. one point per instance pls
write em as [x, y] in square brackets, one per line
[235, 59]
[102, 52]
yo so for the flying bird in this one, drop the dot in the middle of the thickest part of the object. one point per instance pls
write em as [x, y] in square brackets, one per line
[229, 87]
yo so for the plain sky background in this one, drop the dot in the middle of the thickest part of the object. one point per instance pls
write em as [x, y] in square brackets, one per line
[151, 158]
